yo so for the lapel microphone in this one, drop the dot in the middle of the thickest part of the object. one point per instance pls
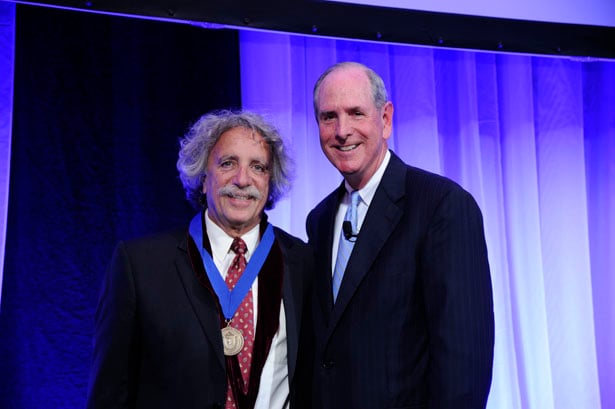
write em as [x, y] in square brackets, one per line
[347, 229]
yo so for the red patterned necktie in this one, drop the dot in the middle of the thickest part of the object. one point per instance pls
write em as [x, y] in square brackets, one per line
[243, 319]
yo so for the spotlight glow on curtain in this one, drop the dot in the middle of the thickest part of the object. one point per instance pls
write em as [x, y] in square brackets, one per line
[7, 48]
[533, 139]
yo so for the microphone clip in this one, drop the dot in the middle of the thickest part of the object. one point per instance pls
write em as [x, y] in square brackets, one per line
[347, 229]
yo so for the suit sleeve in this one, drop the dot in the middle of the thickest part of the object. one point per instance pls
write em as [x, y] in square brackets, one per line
[114, 366]
[459, 304]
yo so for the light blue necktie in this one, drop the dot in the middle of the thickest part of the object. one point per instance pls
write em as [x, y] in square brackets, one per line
[345, 246]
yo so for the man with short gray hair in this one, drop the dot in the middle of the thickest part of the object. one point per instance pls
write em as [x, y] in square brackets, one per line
[403, 308]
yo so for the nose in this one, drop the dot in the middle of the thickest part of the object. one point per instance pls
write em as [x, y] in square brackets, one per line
[343, 127]
[242, 176]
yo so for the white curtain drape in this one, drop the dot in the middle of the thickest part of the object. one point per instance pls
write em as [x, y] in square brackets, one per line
[533, 139]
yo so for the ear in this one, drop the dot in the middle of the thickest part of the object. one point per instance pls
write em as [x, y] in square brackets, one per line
[387, 120]
[204, 185]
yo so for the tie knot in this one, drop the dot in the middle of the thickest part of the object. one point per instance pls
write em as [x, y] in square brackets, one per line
[239, 246]
[351, 212]
[355, 198]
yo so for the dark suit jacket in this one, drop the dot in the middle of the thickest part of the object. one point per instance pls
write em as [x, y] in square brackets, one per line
[158, 342]
[412, 326]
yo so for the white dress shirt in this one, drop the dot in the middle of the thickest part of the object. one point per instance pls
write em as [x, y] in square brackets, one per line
[273, 391]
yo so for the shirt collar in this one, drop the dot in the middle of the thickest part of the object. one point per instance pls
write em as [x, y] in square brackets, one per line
[221, 242]
[369, 190]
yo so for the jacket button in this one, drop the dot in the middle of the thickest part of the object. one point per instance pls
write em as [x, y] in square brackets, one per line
[217, 406]
[328, 364]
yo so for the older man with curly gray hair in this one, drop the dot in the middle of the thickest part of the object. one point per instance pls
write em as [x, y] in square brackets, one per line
[210, 316]
[198, 143]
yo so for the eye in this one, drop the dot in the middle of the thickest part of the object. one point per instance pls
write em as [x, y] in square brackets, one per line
[260, 168]
[227, 164]
[357, 113]
[327, 116]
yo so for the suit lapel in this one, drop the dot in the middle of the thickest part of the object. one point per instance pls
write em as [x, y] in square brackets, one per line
[203, 302]
[323, 245]
[382, 217]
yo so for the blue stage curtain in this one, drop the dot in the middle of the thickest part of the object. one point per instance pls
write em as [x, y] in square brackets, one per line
[533, 139]
[7, 56]
[100, 103]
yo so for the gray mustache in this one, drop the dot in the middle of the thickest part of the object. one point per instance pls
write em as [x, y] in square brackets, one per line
[249, 192]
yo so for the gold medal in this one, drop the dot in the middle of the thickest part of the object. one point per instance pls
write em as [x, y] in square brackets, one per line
[232, 339]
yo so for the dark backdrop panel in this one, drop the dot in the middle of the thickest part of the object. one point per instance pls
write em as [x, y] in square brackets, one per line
[100, 103]
[376, 24]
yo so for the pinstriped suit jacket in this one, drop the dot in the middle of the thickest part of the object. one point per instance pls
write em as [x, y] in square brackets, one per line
[413, 323]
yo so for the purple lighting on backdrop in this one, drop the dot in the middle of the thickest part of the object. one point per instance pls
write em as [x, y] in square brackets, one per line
[532, 139]
[7, 48]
